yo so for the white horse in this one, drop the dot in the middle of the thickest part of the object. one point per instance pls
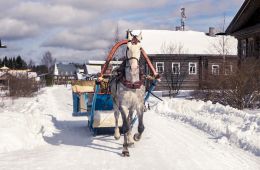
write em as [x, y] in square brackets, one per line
[128, 94]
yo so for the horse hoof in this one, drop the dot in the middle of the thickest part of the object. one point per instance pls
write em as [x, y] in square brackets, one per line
[117, 134]
[131, 144]
[125, 154]
[137, 137]
[117, 137]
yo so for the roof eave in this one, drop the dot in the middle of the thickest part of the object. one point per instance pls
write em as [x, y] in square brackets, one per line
[231, 28]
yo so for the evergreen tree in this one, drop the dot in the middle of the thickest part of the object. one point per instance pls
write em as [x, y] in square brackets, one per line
[5, 61]
[10, 63]
[20, 63]
[14, 62]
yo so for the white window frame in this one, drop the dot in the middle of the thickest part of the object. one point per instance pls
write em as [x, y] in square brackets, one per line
[195, 71]
[157, 66]
[230, 69]
[243, 48]
[250, 46]
[212, 70]
[179, 67]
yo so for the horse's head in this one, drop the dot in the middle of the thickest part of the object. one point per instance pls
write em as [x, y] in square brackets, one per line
[133, 56]
[134, 48]
[134, 39]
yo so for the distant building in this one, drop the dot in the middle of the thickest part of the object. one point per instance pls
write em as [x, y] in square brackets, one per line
[64, 73]
[6, 74]
[93, 67]
[245, 26]
[196, 55]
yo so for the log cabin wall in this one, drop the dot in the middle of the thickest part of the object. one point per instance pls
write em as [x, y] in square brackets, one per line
[205, 65]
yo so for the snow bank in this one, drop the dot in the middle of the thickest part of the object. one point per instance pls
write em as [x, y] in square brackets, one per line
[224, 123]
[24, 122]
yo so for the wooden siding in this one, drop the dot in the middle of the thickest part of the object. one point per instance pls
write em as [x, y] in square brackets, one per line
[246, 28]
[203, 70]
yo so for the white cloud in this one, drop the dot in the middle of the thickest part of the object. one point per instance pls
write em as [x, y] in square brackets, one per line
[13, 29]
[85, 28]
[91, 37]
[110, 5]
[51, 15]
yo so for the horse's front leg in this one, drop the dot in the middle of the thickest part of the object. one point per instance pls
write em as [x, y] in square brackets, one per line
[125, 129]
[117, 132]
[129, 133]
[140, 114]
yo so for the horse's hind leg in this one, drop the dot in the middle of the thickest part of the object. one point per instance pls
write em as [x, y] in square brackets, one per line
[138, 135]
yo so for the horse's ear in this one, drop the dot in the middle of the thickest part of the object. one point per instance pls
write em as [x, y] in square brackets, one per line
[129, 35]
[140, 37]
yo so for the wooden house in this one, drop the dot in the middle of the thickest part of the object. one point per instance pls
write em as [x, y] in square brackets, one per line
[64, 73]
[190, 56]
[246, 28]
[6, 74]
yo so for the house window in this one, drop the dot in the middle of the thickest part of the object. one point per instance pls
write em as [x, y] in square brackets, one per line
[228, 69]
[243, 48]
[160, 67]
[176, 68]
[192, 68]
[215, 69]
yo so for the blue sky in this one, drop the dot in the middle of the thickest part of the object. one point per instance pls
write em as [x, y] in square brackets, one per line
[78, 30]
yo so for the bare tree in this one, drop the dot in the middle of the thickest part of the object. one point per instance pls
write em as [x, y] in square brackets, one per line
[173, 48]
[223, 44]
[175, 76]
[31, 64]
[48, 60]
[121, 51]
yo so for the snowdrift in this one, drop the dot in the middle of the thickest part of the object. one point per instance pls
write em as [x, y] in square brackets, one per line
[24, 122]
[224, 123]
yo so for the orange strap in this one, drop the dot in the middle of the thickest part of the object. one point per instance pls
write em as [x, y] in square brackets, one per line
[112, 52]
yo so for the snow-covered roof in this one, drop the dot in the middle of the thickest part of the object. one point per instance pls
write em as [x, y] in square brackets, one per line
[101, 62]
[4, 68]
[192, 42]
[32, 74]
[93, 69]
[81, 76]
[65, 69]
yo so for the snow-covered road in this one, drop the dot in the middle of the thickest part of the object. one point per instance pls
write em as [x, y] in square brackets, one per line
[68, 144]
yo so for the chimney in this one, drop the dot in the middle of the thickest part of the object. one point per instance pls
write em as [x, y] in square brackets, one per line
[212, 32]
[178, 28]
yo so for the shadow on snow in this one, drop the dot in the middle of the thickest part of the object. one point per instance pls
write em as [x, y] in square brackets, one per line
[77, 133]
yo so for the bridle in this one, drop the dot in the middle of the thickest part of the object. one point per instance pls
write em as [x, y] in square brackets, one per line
[134, 41]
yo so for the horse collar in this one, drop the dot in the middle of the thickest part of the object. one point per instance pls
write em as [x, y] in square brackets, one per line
[130, 85]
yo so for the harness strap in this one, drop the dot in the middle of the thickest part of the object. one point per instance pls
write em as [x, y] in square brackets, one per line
[131, 58]
[130, 85]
